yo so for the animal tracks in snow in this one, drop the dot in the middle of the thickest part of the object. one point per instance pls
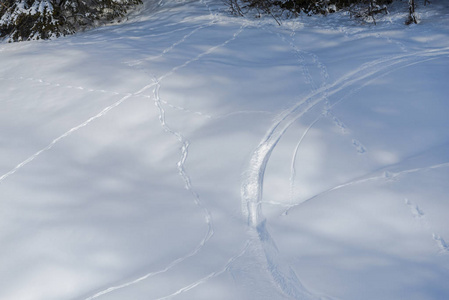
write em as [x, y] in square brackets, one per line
[444, 248]
[181, 163]
[324, 94]
[156, 85]
[112, 106]
[253, 179]
[358, 146]
[419, 215]
[414, 209]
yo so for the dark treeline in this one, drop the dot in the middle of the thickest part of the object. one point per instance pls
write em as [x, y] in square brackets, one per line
[22, 20]
[365, 9]
[41, 19]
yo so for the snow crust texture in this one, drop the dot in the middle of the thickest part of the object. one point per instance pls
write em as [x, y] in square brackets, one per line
[189, 154]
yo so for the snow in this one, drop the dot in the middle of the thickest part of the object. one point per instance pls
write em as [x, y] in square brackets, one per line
[189, 154]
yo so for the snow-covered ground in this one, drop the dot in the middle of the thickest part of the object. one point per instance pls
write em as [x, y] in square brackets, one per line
[133, 158]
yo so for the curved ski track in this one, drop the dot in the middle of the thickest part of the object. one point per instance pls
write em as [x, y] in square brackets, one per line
[252, 184]
[253, 180]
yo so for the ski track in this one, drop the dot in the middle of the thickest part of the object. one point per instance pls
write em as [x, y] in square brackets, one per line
[66, 134]
[151, 35]
[209, 276]
[59, 85]
[360, 148]
[156, 83]
[308, 78]
[251, 190]
[186, 110]
[243, 112]
[181, 169]
[117, 103]
[386, 175]
[252, 184]
[171, 47]
[294, 159]
[199, 56]
[207, 115]
[137, 64]
[182, 172]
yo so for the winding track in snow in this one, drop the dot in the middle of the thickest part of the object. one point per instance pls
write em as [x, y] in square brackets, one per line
[261, 157]
[68, 133]
[184, 152]
[325, 76]
[253, 179]
[182, 172]
[114, 105]
[171, 47]
[295, 157]
[299, 54]
[188, 185]
[60, 85]
[386, 175]
[252, 184]
[209, 276]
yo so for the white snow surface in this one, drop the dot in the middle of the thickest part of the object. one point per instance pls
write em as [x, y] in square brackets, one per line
[189, 154]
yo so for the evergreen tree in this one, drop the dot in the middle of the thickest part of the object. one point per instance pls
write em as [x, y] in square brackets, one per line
[42, 19]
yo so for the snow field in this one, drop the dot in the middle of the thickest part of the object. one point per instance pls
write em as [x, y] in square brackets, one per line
[189, 154]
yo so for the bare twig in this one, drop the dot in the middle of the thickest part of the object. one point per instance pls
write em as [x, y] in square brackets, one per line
[4, 5]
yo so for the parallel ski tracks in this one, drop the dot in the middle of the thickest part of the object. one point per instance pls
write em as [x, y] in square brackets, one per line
[252, 184]
[253, 180]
